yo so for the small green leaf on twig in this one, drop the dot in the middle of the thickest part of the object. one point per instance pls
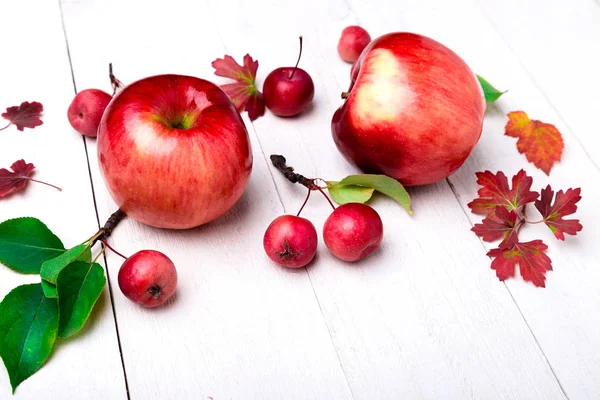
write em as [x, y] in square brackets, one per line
[491, 93]
[355, 188]
[343, 194]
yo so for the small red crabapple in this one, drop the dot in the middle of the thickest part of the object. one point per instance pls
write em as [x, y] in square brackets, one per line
[353, 231]
[148, 277]
[353, 41]
[291, 241]
[86, 109]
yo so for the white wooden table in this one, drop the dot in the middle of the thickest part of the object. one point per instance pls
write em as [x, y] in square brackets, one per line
[424, 318]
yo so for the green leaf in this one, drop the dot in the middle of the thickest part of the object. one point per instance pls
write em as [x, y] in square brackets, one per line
[49, 290]
[25, 243]
[383, 184]
[343, 194]
[79, 287]
[28, 330]
[51, 268]
[491, 93]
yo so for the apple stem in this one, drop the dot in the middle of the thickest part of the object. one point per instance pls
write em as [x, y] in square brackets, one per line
[297, 62]
[9, 124]
[104, 242]
[305, 201]
[345, 95]
[47, 184]
[115, 83]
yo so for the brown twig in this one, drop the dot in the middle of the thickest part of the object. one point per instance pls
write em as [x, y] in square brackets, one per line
[115, 83]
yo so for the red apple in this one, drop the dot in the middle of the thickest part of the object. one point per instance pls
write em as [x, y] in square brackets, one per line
[414, 111]
[174, 151]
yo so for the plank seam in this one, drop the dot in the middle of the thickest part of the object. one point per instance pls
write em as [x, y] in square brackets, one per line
[110, 291]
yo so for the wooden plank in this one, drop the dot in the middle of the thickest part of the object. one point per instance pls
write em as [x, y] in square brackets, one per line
[557, 42]
[424, 317]
[36, 68]
[563, 315]
[239, 327]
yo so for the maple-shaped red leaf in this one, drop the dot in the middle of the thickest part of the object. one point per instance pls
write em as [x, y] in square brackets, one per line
[502, 226]
[533, 262]
[244, 93]
[565, 204]
[541, 143]
[495, 192]
[27, 115]
[17, 179]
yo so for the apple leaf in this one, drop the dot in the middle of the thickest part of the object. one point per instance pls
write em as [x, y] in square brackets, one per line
[541, 143]
[27, 115]
[565, 204]
[495, 192]
[531, 257]
[17, 179]
[491, 93]
[343, 194]
[51, 268]
[502, 226]
[381, 183]
[79, 286]
[25, 243]
[49, 290]
[244, 93]
[28, 330]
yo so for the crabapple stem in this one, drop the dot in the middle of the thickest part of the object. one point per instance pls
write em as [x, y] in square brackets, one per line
[305, 201]
[104, 242]
[9, 124]
[279, 162]
[297, 62]
[46, 183]
[345, 95]
[110, 224]
[115, 83]
[327, 197]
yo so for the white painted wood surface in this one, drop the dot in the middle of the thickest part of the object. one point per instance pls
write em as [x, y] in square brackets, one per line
[423, 318]
[35, 67]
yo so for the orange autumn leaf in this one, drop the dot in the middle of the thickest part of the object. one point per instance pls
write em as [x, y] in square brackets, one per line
[541, 143]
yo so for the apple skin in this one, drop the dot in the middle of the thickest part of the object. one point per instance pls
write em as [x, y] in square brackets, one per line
[414, 112]
[174, 151]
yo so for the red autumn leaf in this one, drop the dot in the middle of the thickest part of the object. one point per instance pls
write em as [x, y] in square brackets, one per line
[244, 93]
[565, 204]
[541, 143]
[17, 179]
[495, 192]
[27, 115]
[502, 226]
[533, 262]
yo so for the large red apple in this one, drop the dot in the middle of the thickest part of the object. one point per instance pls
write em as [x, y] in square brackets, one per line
[174, 151]
[414, 111]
